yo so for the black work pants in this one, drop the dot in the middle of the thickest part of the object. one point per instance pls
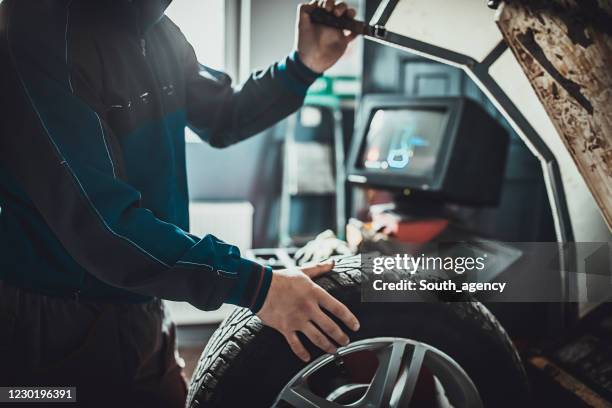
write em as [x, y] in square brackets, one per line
[115, 354]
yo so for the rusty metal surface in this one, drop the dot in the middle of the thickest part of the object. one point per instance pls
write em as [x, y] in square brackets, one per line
[565, 50]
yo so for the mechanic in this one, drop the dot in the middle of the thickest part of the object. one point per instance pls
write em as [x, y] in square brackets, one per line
[95, 97]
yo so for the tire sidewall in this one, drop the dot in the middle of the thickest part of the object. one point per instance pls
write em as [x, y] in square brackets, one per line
[461, 330]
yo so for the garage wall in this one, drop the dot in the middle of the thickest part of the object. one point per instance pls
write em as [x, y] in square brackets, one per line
[271, 31]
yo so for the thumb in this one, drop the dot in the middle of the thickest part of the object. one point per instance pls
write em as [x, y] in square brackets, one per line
[319, 269]
[351, 37]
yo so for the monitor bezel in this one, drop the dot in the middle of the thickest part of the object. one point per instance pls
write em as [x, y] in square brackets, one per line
[372, 103]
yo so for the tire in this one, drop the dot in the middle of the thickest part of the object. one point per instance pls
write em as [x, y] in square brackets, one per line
[246, 364]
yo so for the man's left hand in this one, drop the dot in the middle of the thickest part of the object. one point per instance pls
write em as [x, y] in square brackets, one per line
[320, 46]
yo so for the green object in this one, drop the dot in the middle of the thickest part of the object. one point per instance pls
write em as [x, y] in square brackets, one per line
[343, 87]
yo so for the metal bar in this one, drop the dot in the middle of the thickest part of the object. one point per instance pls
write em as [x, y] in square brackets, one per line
[383, 12]
[339, 161]
[494, 55]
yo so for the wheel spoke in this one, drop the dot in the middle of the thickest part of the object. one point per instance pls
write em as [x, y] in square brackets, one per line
[411, 377]
[389, 363]
[394, 382]
[301, 397]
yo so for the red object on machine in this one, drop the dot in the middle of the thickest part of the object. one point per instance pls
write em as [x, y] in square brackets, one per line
[412, 231]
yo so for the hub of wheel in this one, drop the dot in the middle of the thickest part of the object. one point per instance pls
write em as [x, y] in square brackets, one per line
[401, 362]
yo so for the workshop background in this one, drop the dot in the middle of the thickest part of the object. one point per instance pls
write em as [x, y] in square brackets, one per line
[259, 184]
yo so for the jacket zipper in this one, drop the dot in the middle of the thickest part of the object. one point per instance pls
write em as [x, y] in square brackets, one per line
[143, 46]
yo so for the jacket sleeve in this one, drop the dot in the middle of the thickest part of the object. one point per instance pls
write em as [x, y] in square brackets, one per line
[60, 150]
[222, 115]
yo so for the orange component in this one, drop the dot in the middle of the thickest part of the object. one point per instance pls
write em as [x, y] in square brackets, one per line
[417, 232]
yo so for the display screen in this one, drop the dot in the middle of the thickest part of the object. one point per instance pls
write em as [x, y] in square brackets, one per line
[405, 141]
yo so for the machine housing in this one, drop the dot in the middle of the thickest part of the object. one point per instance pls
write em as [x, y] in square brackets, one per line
[445, 148]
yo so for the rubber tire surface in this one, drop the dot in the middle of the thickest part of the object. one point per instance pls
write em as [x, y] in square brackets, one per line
[246, 364]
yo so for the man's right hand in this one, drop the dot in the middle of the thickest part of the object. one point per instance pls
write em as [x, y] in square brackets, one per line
[295, 304]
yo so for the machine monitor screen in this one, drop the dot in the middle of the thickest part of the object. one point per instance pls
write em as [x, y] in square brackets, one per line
[404, 141]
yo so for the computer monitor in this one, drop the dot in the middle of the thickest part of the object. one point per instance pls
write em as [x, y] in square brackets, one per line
[444, 148]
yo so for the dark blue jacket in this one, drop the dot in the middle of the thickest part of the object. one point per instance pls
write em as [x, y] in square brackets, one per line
[95, 97]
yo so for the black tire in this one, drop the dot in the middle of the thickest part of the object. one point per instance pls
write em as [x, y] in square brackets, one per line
[246, 364]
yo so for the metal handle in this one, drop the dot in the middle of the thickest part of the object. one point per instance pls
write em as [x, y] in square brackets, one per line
[324, 17]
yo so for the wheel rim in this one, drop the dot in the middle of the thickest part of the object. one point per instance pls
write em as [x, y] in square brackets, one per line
[400, 363]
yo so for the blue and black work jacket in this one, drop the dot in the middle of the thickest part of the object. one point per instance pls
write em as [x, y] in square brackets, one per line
[95, 97]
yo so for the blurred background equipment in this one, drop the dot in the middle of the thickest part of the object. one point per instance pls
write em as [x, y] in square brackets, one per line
[313, 194]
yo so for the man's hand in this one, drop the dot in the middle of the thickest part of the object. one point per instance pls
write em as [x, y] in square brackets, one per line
[319, 46]
[295, 304]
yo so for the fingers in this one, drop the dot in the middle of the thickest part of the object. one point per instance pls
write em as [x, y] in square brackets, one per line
[318, 338]
[319, 269]
[328, 5]
[350, 13]
[297, 347]
[331, 6]
[340, 9]
[351, 37]
[330, 328]
[339, 310]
